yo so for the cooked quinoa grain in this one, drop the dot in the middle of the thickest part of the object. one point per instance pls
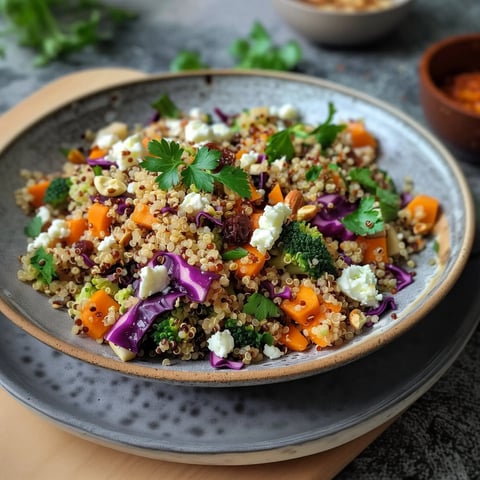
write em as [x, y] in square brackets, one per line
[260, 232]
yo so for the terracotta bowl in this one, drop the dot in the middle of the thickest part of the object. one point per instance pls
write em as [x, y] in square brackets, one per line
[341, 28]
[456, 125]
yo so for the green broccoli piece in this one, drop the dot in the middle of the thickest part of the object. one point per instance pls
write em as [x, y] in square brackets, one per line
[57, 192]
[244, 335]
[306, 248]
[167, 329]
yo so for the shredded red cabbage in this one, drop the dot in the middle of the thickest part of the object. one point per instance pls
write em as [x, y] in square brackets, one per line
[224, 117]
[167, 210]
[186, 280]
[131, 327]
[327, 220]
[403, 277]
[101, 162]
[405, 199]
[88, 261]
[219, 362]
[200, 215]
[387, 303]
[285, 293]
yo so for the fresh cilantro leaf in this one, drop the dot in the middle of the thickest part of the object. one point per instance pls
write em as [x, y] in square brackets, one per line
[207, 159]
[280, 145]
[187, 60]
[167, 157]
[165, 107]
[363, 175]
[261, 307]
[327, 132]
[366, 220]
[313, 173]
[259, 51]
[389, 204]
[43, 263]
[235, 254]
[97, 170]
[54, 29]
[34, 228]
[235, 179]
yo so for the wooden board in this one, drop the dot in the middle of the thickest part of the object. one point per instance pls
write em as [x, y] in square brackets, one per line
[33, 447]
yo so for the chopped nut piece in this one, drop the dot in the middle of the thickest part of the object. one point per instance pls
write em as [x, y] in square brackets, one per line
[307, 212]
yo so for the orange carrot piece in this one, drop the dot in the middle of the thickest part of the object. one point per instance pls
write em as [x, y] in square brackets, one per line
[254, 194]
[303, 308]
[76, 226]
[275, 196]
[255, 220]
[374, 248]
[424, 211]
[96, 152]
[318, 333]
[294, 339]
[76, 157]
[98, 220]
[94, 312]
[142, 216]
[360, 136]
[255, 262]
[37, 191]
[240, 154]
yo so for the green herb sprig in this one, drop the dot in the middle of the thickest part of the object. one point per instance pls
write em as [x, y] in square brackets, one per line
[166, 158]
[43, 262]
[366, 220]
[261, 307]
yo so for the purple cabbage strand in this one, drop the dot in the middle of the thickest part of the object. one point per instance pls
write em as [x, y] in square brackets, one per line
[403, 277]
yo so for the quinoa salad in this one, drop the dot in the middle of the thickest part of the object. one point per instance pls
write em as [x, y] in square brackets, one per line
[228, 236]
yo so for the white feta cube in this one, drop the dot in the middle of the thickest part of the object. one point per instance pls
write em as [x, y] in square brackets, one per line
[360, 283]
[152, 280]
[221, 343]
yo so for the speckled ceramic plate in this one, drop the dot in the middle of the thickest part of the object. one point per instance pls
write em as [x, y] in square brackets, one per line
[407, 150]
[247, 425]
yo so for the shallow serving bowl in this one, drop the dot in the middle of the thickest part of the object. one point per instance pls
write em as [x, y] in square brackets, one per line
[456, 125]
[406, 150]
[341, 28]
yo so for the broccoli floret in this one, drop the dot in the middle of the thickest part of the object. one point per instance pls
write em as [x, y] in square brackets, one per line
[244, 335]
[305, 246]
[57, 192]
[167, 329]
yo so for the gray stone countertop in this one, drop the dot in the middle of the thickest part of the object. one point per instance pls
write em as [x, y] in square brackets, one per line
[439, 436]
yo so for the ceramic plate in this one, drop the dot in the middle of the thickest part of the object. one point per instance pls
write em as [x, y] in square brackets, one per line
[407, 150]
[247, 425]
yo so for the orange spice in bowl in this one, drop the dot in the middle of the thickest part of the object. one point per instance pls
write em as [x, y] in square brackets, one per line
[350, 5]
[464, 88]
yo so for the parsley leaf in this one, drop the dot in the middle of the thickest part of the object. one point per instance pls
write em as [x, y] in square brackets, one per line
[389, 204]
[261, 307]
[363, 175]
[280, 145]
[34, 228]
[313, 173]
[235, 254]
[327, 132]
[165, 107]
[54, 29]
[167, 157]
[187, 60]
[43, 263]
[235, 179]
[366, 220]
[259, 51]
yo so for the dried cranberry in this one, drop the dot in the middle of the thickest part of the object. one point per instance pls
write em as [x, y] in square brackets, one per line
[84, 246]
[237, 229]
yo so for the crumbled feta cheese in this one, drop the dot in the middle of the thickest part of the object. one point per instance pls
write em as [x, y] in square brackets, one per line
[248, 159]
[153, 280]
[287, 112]
[196, 114]
[197, 131]
[272, 352]
[360, 283]
[221, 343]
[194, 203]
[270, 226]
[106, 243]
[127, 153]
[220, 132]
[58, 229]
[44, 214]
[279, 165]
[174, 126]
[106, 140]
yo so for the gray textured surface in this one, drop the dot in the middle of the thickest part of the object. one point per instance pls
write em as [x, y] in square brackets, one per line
[439, 436]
